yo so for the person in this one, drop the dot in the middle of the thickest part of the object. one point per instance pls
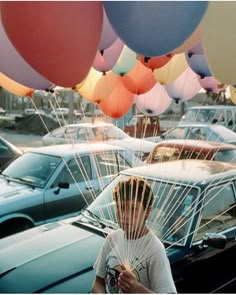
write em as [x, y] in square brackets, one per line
[133, 259]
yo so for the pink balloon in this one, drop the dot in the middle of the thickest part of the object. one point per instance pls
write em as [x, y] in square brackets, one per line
[184, 87]
[108, 36]
[16, 68]
[153, 102]
[210, 84]
[106, 61]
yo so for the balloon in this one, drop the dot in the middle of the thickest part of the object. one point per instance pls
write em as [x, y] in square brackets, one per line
[198, 64]
[190, 42]
[108, 36]
[154, 28]
[196, 49]
[105, 85]
[126, 62]
[119, 101]
[233, 94]
[139, 80]
[210, 84]
[87, 89]
[172, 70]
[219, 40]
[106, 61]
[14, 87]
[184, 87]
[58, 39]
[153, 102]
[16, 68]
[155, 62]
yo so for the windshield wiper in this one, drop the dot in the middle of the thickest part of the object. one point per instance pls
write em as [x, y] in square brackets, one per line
[25, 181]
[94, 217]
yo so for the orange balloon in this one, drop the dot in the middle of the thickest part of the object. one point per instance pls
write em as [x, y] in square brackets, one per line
[139, 80]
[155, 62]
[105, 86]
[14, 87]
[190, 42]
[119, 101]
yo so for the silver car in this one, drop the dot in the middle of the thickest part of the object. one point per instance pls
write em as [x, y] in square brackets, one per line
[50, 183]
[106, 132]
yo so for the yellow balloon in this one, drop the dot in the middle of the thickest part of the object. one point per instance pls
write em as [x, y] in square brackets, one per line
[14, 87]
[233, 94]
[89, 84]
[219, 40]
[172, 70]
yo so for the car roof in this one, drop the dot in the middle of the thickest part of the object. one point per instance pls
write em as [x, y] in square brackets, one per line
[197, 144]
[213, 107]
[185, 171]
[70, 149]
[89, 124]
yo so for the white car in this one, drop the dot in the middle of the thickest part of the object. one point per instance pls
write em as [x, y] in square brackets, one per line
[64, 113]
[50, 183]
[89, 132]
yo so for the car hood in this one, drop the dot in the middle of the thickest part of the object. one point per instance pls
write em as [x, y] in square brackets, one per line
[13, 190]
[134, 144]
[47, 255]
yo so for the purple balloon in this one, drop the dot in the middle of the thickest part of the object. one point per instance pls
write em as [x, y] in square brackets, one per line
[198, 64]
[16, 68]
[108, 36]
[184, 87]
[196, 49]
[153, 102]
[210, 84]
[106, 61]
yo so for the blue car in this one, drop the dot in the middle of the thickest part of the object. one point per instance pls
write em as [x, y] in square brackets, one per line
[193, 213]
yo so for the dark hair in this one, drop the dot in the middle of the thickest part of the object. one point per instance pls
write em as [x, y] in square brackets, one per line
[134, 188]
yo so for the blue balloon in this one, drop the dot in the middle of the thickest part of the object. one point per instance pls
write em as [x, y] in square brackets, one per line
[198, 63]
[154, 28]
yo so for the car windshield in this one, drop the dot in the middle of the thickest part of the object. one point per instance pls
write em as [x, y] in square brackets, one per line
[108, 133]
[32, 168]
[197, 115]
[226, 156]
[172, 211]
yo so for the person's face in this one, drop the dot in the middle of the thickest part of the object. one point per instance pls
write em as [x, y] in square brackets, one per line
[131, 217]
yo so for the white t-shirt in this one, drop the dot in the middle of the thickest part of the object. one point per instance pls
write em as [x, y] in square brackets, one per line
[147, 256]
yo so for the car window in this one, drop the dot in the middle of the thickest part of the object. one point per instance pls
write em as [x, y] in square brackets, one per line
[77, 170]
[110, 163]
[59, 132]
[191, 154]
[71, 133]
[225, 156]
[176, 133]
[219, 212]
[4, 150]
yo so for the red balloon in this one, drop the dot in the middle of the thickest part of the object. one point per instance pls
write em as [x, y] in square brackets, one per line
[139, 80]
[155, 62]
[118, 103]
[58, 39]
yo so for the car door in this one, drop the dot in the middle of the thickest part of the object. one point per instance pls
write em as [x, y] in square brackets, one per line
[207, 269]
[78, 173]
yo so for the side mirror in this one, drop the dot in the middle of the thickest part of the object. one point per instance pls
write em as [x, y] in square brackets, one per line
[61, 185]
[217, 241]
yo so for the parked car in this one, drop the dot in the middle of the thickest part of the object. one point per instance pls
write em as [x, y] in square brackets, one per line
[8, 152]
[100, 131]
[50, 183]
[143, 126]
[32, 111]
[193, 214]
[198, 131]
[177, 149]
[2, 112]
[220, 114]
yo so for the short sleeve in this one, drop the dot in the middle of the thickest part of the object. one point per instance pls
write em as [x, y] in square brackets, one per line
[100, 263]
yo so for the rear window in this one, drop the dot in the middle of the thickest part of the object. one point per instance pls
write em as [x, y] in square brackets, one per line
[225, 156]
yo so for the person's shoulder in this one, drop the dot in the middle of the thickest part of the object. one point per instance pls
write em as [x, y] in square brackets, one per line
[155, 240]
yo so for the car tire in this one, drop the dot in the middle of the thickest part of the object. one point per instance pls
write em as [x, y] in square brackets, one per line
[14, 226]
